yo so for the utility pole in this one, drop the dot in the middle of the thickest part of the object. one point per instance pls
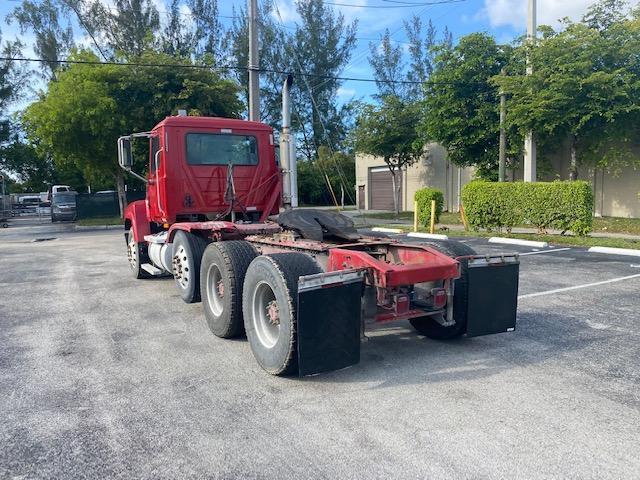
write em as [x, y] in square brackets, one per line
[502, 160]
[254, 63]
[530, 152]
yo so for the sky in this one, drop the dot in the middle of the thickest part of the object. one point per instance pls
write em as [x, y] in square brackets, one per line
[504, 19]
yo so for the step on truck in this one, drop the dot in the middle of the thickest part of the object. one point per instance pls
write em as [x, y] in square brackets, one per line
[221, 217]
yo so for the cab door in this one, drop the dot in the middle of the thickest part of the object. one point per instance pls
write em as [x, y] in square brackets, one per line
[156, 179]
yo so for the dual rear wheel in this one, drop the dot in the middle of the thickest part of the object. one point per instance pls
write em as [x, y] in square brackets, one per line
[243, 292]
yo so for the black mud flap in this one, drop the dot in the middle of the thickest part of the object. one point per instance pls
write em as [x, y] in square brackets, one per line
[329, 313]
[492, 291]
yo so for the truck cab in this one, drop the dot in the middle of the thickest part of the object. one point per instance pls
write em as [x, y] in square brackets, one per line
[208, 168]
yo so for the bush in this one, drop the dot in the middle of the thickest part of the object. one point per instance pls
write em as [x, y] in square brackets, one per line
[424, 197]
[558, 205]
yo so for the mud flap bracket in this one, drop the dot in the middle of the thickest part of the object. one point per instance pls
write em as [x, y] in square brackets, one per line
[329, 318]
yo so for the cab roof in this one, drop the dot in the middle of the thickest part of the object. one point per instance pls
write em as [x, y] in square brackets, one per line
[212, 122]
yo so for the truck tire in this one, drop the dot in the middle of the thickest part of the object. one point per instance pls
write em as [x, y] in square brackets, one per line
[224, 265]
[269, 304]
[187, 256]
[136, 256]
[428, 326]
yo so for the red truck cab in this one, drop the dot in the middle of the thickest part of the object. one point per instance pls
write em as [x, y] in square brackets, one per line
[189, 162]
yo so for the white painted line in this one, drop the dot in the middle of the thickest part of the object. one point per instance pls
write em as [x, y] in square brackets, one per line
[615, 251]
[517, 241]
[545, 251]
[433, 236]
[386, 230]
[577, 287]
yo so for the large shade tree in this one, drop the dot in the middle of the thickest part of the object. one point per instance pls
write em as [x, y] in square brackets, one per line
[81, 115]
[584, 87]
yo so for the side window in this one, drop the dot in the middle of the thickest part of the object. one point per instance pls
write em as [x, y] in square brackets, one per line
[155, 147]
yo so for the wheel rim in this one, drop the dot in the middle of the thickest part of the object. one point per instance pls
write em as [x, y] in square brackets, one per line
[181, 267]
[266, 317]
[132, 252]
[215, 290]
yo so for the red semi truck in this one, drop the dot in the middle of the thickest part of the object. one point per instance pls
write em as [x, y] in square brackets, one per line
[302, 284]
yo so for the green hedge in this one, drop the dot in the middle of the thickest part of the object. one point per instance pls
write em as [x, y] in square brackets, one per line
[424, 197]
[557, 205]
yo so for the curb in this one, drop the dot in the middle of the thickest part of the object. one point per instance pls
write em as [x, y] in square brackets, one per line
[386, 230]
[432, 236]
[615, 251]
[517, 241]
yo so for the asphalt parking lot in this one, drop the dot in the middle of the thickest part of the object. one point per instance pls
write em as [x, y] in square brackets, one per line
[105, 376]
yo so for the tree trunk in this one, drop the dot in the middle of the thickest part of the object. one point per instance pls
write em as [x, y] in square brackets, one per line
[122, 196]
[396, 190]
[573, 168]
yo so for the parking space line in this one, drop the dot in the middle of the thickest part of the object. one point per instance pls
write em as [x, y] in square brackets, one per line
[577, 287]
[546, 251]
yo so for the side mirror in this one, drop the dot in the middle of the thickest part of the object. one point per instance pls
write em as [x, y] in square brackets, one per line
[125, 158]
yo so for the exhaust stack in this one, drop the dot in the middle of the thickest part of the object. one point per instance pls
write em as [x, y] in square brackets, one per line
[288, 151]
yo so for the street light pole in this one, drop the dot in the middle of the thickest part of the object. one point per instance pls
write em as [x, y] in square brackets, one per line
[530, 152]
[254, 63]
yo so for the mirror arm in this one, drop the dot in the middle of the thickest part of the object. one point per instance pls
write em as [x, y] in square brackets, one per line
[139, 177]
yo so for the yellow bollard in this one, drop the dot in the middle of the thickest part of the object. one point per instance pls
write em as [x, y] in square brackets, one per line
[433, 216]
[415, 216]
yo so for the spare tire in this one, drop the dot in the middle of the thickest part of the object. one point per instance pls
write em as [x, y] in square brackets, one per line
[429, 326]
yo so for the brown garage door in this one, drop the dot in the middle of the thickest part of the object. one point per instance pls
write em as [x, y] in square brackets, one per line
[381, 188]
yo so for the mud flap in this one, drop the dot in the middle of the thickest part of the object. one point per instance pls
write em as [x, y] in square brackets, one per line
[492, 295]
[329, 321]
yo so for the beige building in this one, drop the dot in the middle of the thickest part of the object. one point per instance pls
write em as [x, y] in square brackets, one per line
[374, 187]
[616, 194]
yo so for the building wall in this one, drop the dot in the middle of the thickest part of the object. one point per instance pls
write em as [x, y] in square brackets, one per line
[432, 170]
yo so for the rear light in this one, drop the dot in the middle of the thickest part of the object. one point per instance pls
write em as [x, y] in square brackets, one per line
[439, 297]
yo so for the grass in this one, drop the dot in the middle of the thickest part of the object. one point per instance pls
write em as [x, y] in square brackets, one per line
[551, 239]
[92, 222]
[617, 225]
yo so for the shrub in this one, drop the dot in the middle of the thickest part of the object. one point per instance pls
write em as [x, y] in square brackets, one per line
[424, 196]
[559, 205]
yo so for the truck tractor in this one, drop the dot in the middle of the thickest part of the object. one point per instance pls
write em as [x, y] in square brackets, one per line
[220, 217]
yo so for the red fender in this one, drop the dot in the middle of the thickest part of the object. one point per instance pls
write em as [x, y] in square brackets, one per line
[135, 215]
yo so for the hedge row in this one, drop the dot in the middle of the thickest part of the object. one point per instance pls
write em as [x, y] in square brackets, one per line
[424, 197]
[565, 206]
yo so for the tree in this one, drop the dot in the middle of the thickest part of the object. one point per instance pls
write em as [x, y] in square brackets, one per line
[53, 41]
[272, 54]
[389, 131]
[82, 114]
[128, 27]
[584, 87]
[388, 67]
[320, 47]
[460, 109]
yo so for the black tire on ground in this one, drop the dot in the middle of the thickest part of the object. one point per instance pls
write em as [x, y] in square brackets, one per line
[136, 255]
[428, 326]
[53, 219]
[224, 265]
[186, 258]
[269, 304]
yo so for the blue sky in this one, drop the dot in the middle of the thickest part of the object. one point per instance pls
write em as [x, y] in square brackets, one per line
[505, 19]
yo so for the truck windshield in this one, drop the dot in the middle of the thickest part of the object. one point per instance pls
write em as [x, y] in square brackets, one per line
[221, 149]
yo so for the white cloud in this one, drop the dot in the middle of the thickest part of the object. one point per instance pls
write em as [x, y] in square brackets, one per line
[285, 11]
[346, 92]
[514, 12]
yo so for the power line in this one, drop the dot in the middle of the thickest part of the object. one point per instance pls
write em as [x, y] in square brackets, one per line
[230, 68]
[399, 4]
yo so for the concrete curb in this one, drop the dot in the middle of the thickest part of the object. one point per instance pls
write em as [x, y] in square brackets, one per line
[615, 251]
[431, 236]
[386, 230]
[517, 241]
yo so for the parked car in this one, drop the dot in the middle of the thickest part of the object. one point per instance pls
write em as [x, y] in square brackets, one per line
[63, 206]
